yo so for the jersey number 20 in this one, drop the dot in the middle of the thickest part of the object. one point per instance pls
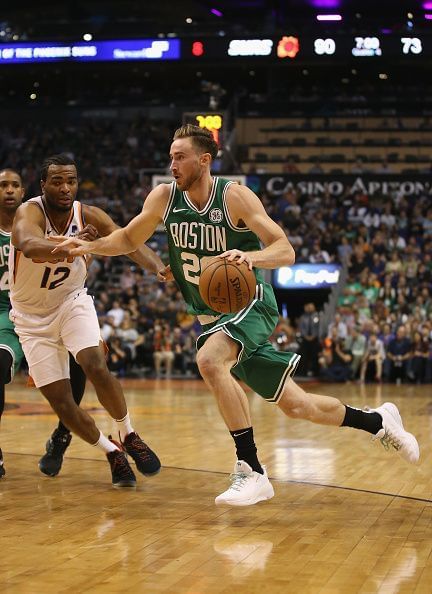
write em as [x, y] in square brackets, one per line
[192, 266]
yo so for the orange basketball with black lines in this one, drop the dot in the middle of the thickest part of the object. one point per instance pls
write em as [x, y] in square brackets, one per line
[227, 287]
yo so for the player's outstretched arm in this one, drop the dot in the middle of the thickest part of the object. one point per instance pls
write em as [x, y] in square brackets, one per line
[126, 239]
[28, 234]
[246, 208]
[143, 256]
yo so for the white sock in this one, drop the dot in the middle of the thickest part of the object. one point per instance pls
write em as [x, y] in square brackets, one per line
[105, 444]
[124, 426]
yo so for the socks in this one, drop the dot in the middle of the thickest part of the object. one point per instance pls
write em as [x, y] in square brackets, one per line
[124, 426]
[361, 419]
[246, 449]
[105, 444]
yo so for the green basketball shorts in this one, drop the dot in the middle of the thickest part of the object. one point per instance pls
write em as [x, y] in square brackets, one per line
[9, 341]
[259, 364]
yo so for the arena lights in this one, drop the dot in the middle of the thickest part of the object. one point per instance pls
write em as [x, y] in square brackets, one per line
[326, 3]
[329, 17]
[216, 12]
[428, 16]
[427, 5]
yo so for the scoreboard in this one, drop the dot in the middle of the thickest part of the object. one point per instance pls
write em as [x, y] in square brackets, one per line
[283, 49]
[294, 48]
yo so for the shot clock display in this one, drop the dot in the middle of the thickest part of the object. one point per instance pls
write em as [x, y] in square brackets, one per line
[210, 121]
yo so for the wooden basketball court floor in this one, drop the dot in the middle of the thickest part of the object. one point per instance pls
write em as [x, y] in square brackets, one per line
[347, 517]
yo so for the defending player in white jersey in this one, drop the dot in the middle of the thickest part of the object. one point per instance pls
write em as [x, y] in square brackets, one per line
[11, 354]
[53, 314]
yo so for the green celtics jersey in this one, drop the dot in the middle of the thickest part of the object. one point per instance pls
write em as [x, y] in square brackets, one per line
[194, 235]
[4, 270]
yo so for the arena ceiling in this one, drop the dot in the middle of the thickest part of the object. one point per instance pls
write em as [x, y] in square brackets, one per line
[107, 18]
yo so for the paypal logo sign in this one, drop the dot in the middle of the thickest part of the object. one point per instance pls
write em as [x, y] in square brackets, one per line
[307, 276]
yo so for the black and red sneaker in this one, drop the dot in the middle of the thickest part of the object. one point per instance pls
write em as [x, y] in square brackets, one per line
[2, 468]
[145, 459]
[51, 462]
[122, 473]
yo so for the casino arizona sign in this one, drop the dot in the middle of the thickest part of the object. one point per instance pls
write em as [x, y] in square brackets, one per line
[338, 185]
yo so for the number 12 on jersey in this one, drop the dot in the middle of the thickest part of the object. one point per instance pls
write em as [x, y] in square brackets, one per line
[62, 272]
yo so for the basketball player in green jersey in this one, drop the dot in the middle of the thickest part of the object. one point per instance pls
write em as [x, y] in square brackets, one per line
[11, 195]
[207, 216]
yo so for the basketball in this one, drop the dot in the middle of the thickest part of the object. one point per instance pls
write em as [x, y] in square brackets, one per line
[227, 287]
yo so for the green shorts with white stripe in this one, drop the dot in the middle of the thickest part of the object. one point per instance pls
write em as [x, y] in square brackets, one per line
[260, 365]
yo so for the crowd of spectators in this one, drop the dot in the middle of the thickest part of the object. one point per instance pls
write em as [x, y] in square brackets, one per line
[327, 98]
[358, 167]
[382, 330]
[113, 157]
[143, 322]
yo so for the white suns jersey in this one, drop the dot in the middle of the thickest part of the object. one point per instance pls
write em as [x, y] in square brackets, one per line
[41, 287]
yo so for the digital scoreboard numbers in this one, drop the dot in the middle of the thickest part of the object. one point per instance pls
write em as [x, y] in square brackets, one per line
[366, 47]
[210, 121]
[389, 46]
[411, 45]
[324, 47]
[343, 48]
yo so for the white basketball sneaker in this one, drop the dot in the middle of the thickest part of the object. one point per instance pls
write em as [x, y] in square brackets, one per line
[393, 434]
[247, 487]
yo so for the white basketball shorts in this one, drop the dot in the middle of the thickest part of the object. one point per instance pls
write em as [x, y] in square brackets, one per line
[46, 339]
